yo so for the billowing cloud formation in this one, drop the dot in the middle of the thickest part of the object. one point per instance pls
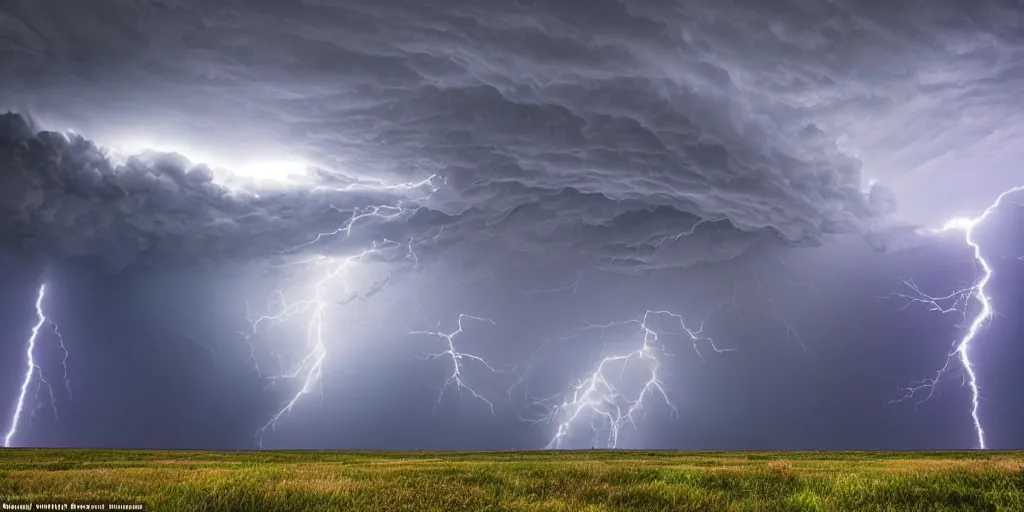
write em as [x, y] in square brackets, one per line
[640, 135]
[61, 196]
[65, 198]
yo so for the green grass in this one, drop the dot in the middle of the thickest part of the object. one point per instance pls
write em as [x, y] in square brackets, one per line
[507, 481]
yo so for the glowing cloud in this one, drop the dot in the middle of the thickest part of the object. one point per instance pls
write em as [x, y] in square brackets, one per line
[228, 169]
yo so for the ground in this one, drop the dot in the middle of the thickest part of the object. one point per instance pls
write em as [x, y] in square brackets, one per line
[511, 481]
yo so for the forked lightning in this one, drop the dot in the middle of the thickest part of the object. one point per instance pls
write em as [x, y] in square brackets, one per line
[458, 360]
[330, 287]
[957, 302]
[32, 368]
[600, 401]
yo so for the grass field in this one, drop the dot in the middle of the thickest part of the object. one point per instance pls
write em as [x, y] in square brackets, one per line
[479, 481]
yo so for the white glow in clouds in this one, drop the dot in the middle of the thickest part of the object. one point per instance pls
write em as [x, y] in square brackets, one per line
[250, 167]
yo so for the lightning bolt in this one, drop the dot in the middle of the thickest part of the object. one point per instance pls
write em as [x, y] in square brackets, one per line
[458, 360]
[384, 212]
[688, 232]
[601, 398]
[64, 358]
[956, 302]
[33, 369]
[309, 369]
[330, 287]
[43, 382]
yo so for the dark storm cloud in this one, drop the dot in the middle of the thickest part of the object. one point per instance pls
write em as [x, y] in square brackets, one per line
[62, 196]
[607, 130]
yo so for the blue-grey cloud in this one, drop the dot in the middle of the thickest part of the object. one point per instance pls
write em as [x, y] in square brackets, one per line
[603, 133]
[64, 197]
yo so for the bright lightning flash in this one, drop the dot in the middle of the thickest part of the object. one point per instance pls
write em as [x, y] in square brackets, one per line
[956, 302]
[331, 287]
[33, 369]
[334, 272]
[600, 400]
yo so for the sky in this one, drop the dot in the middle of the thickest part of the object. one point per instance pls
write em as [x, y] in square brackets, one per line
[523, 225]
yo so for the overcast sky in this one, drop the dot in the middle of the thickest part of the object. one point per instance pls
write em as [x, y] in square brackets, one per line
[416, 225]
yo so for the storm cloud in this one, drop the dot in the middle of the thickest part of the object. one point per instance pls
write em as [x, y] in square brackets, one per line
[610, 132]
[63, 197]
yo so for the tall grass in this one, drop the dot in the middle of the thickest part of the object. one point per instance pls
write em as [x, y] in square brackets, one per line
[519, 481]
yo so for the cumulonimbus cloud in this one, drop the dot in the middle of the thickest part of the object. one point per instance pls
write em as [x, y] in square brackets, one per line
[63, 196]
[633, 135]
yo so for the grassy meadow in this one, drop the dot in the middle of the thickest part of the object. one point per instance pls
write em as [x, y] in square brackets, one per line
[514, 481]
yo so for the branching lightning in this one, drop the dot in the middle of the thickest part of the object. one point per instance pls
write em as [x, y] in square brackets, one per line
[64, 358]
[688, 232]
[601, 401]
[956, 302]
[331, 286]
[32, 368]
[334, 272]
[458, 360]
